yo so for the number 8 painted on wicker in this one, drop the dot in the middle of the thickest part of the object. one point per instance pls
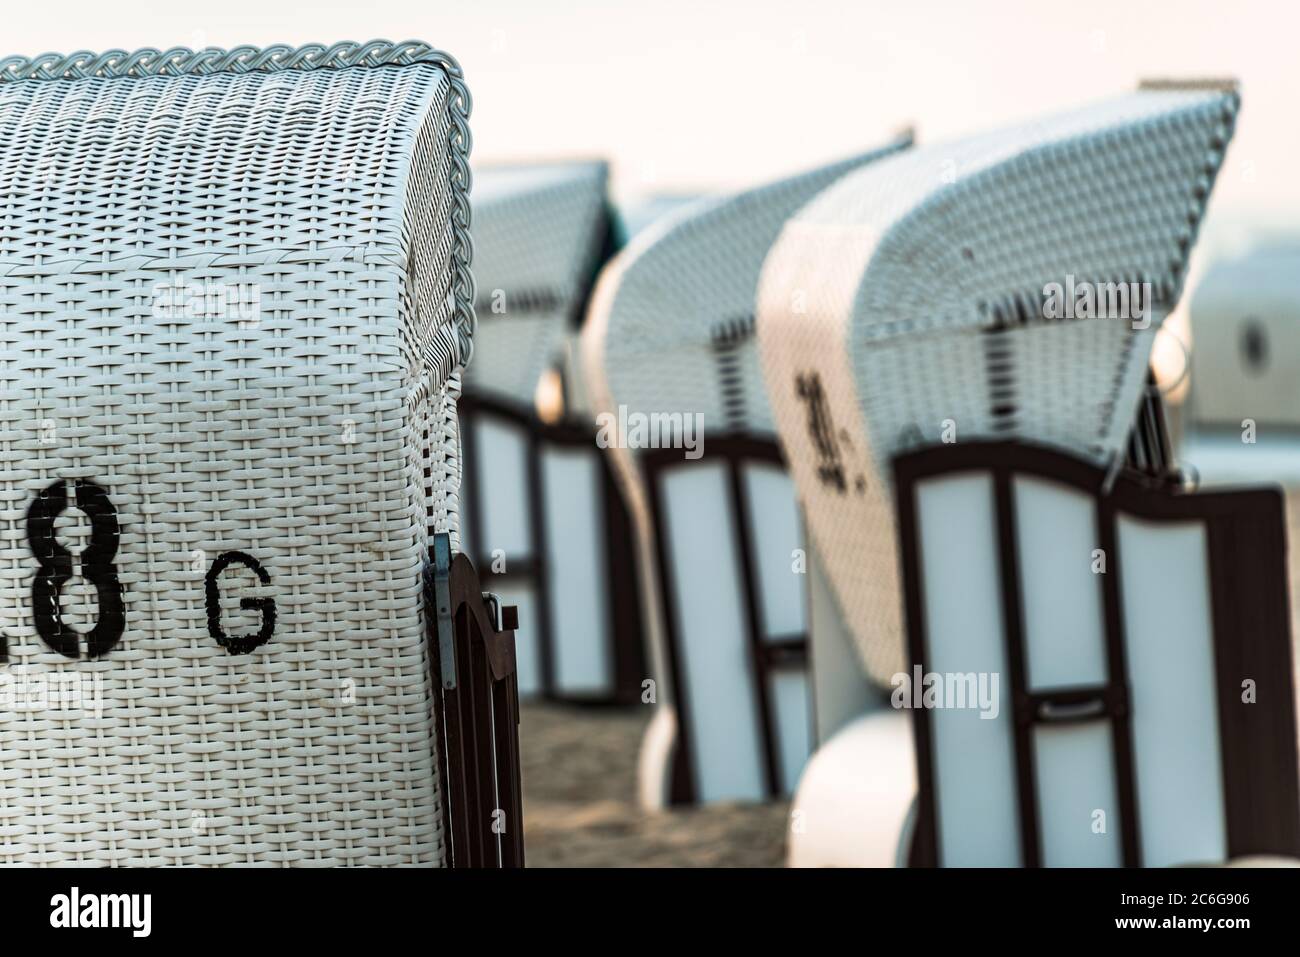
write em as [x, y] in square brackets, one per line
[56, 568]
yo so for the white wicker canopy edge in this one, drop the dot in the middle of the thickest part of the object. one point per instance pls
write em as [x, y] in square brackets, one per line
[539, 230]
[302, 428]
[908, 299]
[639, 215]
[684, 289]
[454, 351]
[650, 330]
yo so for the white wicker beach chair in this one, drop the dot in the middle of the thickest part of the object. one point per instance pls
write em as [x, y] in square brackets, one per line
[1242, 413]
[1080, 631]
[668, 343]
[234, 302]
[543, 516]
[902, 307]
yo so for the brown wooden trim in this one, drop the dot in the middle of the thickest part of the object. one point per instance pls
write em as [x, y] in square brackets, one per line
[1004, 510]
[768, 653]
[926, 849]
[1246, 553]
[476, 714]
[743, 514]
[626, 613]
[1249, 600]
[540, 541]
[790, 652]
[1117, 674]
[682, 786]
[624, 623]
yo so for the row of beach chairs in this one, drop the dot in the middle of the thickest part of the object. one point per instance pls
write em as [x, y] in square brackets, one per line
[336, 441]
[842, 321]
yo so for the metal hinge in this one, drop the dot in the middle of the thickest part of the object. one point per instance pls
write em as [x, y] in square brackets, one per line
[442, 608]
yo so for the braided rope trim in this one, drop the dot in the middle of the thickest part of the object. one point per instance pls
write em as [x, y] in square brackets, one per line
[182, 61]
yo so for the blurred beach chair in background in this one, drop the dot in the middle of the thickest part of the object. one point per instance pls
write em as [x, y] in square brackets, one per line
[669, 352]
[636, 217]
[1100, 663]
[237, 302]
[1242, 413]
[544, 518]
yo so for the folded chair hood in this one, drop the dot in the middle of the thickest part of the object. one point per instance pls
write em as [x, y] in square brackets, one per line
[941, 295]
[637, 216]
[540, 233]
[682, 292]
[670, 330]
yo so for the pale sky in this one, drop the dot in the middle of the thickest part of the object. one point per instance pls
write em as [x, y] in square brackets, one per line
[692, 95]
[688, 94]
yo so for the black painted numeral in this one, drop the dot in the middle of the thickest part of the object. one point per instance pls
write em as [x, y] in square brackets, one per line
[55, 568]
[56, 565]
[830, 468]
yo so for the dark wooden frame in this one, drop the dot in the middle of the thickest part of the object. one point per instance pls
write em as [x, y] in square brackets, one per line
[766, 654]
[1250, 619]
[627, 653]
[472, 663]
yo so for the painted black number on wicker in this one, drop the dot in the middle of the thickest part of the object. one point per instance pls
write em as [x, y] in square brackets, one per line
[830, 469]
[56, 568]
[238, 644]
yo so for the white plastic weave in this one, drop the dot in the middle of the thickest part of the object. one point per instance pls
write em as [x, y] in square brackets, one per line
[538, 234]
[677, 294]
[234, 292]
[683, 289]
[905, 305]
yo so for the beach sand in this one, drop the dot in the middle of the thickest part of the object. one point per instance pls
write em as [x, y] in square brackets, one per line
[579, 770]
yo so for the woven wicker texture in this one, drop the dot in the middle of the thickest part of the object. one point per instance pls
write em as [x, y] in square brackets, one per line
[234, 293]
[538, 234]
[909, 298]
[670, 330]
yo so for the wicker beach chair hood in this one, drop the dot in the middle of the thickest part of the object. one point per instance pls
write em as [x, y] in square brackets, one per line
[912, 302]
[670, 330]
[539, 232]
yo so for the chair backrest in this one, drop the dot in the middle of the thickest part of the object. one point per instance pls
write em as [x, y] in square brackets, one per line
[1004, 286]
[236, 299]
[668, 345]
[543, 517]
